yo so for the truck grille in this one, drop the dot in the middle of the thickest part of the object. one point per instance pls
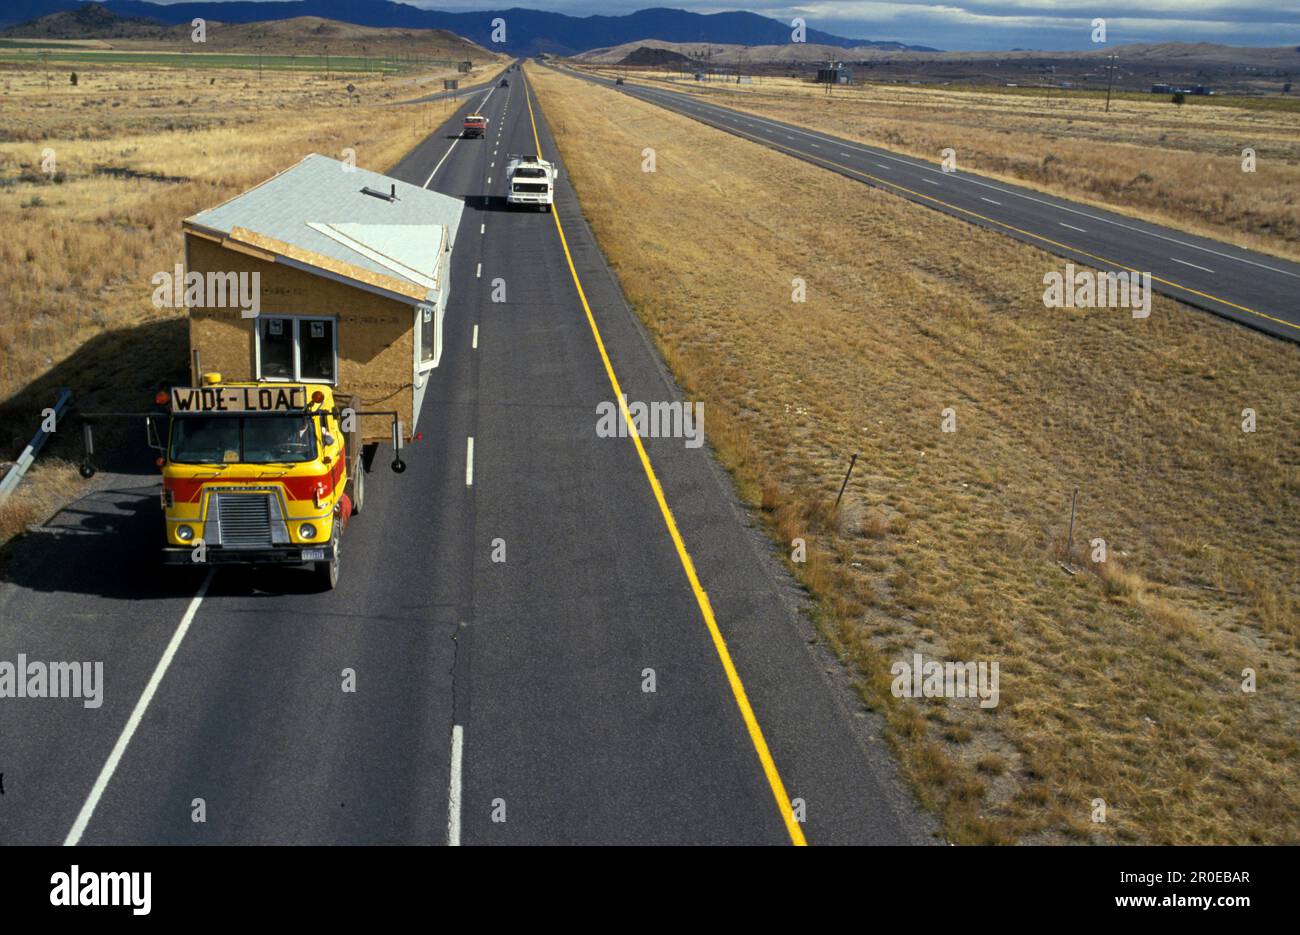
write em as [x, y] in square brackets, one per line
[244, 520]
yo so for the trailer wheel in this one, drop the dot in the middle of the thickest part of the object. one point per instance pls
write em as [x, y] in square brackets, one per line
[327, 573]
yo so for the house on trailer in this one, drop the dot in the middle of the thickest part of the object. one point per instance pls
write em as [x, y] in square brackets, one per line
[353, 271]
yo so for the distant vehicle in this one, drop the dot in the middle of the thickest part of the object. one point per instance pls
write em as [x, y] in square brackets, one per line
[505, 83]
[618, 80]
[532, 181]
[475, 127]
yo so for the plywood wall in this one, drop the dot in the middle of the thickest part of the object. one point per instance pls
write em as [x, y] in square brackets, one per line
[375, 334]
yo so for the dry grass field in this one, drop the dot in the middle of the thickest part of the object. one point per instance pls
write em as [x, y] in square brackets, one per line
[134, 151]
[1148, 158]
[1122, 682]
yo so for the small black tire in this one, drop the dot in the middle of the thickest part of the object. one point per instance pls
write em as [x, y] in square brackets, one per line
[327, 573]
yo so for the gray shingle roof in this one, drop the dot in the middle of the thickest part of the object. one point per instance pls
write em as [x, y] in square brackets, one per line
[316, 205]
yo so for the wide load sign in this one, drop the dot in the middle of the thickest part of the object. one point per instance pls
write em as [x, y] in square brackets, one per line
[204, 399]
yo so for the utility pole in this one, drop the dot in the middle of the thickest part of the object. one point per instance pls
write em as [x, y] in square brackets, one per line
[1110, 79]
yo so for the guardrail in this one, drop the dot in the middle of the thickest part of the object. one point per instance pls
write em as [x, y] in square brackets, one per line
[34, 446]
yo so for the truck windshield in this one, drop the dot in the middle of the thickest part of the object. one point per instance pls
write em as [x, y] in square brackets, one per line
[530, 172]
[242, 440]
[531, 187]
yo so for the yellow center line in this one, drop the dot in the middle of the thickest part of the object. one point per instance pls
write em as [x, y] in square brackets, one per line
[701, 596]
[975, 214]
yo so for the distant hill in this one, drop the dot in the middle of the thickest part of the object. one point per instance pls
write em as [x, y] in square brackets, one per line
[528, 32]
[1164, 55]
[647, 57]
[300, 34]
[91, 21]
[724, 54]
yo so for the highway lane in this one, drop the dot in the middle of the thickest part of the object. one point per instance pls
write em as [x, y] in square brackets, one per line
[1249, 287]
[536, 663]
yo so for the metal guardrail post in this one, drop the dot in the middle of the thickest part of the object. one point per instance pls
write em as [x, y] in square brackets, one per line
[15, 474]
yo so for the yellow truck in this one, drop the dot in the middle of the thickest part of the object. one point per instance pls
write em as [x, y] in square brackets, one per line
[259, 473]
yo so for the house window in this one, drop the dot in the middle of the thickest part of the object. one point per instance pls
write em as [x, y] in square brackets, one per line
[298, 349]
[428, 335]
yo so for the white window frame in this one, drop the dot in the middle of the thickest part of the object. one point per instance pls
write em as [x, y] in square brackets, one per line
[423, 366]
[297, 348]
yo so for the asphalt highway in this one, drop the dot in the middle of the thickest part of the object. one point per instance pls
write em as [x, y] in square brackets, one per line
[496, 702]
[1246, 286]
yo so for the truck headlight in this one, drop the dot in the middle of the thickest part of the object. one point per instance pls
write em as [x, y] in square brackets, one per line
[184, 533]
[307, 531]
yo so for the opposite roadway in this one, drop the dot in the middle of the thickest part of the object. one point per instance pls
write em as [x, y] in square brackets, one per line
[485, 690]
[1246, 286]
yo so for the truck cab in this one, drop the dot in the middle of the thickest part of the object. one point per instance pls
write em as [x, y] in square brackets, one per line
[475, 127]
[531, 181]
[258, 473]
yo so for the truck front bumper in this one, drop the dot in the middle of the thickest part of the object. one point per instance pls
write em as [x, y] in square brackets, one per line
[280, 555]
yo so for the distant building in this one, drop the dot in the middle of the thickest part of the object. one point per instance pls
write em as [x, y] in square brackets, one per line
[1198, 89]
[835, 73]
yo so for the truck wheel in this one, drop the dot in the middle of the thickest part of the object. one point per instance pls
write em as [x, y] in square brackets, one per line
[327, 573]
[358, 488]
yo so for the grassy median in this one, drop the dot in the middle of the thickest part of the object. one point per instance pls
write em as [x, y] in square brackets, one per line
[1121, 682]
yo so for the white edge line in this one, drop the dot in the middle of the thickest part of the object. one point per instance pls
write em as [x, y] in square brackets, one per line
[454, 785]
[137, 715]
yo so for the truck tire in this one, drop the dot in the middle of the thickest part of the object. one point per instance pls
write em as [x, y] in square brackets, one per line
[358, 489]
[327, 573]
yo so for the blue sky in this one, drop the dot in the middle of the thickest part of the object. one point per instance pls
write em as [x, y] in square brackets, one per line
[994, 24]
[985, 24]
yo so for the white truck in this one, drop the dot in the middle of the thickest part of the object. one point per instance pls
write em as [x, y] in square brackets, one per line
[532, 181]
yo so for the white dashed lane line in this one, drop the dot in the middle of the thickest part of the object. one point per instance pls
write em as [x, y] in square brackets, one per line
[1205, 269]
[454, 785]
